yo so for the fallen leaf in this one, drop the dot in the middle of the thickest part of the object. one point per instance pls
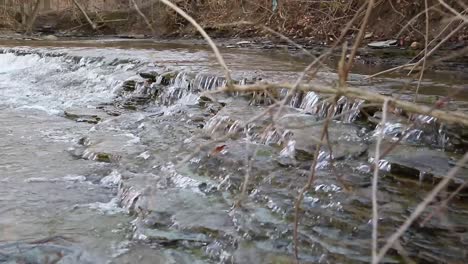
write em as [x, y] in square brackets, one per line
[218, 149]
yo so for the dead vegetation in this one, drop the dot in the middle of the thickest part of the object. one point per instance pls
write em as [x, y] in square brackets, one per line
[304, 21]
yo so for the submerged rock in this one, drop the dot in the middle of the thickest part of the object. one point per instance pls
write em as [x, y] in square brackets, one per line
[86, 115]
[234, 117]
[458, 138]
[171, 215]
[168, 237]
[343, 138]
[41, 252]
[110, 148]
[297, 121]
[129, 85]
[258, 223]
[147, 254]
[420, 162]
[227, 163]
[257, 253]
[151, 76]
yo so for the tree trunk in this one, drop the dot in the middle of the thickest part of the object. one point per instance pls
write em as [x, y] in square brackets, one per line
[144, 17]
[93, 25]
[24, 15]
[33, 16]
[47, 5]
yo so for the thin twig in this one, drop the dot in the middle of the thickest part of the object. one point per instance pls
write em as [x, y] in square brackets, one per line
[148, 23]
[213, 46]
[375, 179]
[455, 12]
[451, 34]
[452, 117]
[426, 40]
[248, 169]
[421, 207]
[292, 91]
[310, 181]
[360, 36]
[445, 202]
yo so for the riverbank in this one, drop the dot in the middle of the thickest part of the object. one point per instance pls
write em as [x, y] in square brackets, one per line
[309, 24]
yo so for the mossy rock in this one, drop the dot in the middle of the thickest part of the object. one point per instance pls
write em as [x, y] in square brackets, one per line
[150, 76]
[129, 86]
[104, 157]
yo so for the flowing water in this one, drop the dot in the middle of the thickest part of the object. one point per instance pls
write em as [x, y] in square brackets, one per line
[89, 149]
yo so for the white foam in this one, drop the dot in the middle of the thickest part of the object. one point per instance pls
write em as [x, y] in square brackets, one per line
[52, 84]
[112, 179]
[68, 178]
[110, 208]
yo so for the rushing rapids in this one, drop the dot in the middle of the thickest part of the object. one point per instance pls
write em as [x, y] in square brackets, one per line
[113, 155]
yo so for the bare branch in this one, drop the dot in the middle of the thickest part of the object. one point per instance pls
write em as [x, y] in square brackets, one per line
[357, 43]
[83, 11]
[148, 23]
[426, 40]
[205, 36]
[451, 117]
[375, 179]
[33, 17]
[455, 12]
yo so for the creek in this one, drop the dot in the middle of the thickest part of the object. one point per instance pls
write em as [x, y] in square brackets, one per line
[94, 134]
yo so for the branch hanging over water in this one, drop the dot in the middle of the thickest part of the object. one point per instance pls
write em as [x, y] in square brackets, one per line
[199, 28]
[451, 117]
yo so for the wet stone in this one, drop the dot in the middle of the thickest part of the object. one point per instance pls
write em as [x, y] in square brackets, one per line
[173, 200]
[258, 223]
[233, 117]
[147, 254]
[420, 130]
[390, 118]
[297, 121]
[193, 214]
[421, 163]
[262, 252]
[184, 210]
[458, 138]
[157, 219]
[226, 162]
[86, 115]
[208, 222]
[151, 76]
[129, 86]
[110, 148]
[169, 237]
[166, 78]
[40, 252]
[344, 141]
